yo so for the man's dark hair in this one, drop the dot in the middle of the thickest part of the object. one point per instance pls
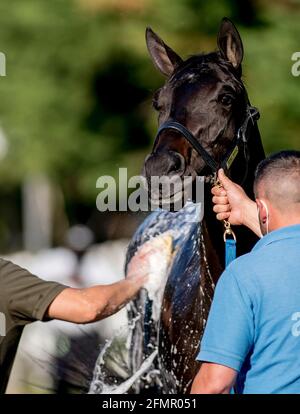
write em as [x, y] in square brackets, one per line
[280, 175]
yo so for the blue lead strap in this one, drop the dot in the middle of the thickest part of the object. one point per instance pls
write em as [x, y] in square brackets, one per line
[230, 242]
[230, 251]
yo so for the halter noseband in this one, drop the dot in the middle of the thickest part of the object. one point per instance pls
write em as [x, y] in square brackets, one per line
[240, 140]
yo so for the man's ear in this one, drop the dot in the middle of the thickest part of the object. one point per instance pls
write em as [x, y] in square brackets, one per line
[163, 57]
[262, 211]
[230, 43]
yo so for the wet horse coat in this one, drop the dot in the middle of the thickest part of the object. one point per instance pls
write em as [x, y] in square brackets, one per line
[208, 84]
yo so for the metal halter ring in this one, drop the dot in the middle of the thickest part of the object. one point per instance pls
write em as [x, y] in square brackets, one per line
[228, 231]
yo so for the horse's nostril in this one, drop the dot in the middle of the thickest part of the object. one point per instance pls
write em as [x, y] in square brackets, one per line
[177, 163]
[164, 163]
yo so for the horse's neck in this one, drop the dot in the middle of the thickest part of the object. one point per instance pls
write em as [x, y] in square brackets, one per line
[212, 229]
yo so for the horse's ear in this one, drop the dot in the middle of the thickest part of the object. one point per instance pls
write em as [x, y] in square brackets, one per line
[230, 43]
[163, 57]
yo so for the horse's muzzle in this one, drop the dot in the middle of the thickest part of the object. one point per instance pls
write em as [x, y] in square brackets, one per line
[164, 163]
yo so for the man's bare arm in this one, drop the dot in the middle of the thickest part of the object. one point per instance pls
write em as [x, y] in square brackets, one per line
[214, 379]
[94, 303]
[97, 302]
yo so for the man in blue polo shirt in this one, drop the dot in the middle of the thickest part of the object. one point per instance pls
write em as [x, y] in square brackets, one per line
[252, 337]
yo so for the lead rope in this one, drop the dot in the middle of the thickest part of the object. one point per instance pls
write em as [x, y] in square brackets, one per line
[229, 235]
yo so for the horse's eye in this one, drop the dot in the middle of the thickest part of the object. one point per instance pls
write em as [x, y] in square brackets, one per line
[156, 105]
[226, 99]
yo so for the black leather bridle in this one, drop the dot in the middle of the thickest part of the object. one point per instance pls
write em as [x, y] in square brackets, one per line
[240, 141]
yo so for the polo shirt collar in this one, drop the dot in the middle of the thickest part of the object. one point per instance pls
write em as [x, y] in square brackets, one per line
[279, 234]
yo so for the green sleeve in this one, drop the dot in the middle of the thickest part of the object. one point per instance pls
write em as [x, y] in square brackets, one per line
[26, 297]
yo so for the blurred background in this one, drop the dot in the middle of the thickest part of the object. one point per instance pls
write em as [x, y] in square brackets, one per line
[75, 105]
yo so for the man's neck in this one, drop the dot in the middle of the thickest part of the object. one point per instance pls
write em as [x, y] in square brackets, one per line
[285, 222]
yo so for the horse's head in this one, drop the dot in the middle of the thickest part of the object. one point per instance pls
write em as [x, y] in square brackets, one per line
[205, 94]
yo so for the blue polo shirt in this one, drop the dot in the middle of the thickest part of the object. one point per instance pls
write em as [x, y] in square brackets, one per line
[254, 322]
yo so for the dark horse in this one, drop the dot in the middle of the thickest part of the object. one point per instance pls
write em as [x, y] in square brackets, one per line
[206, 95]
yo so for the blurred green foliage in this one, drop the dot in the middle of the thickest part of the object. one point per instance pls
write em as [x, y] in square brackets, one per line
[76, 101]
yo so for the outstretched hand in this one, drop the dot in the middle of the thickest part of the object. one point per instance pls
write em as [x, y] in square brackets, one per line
[139, 265]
